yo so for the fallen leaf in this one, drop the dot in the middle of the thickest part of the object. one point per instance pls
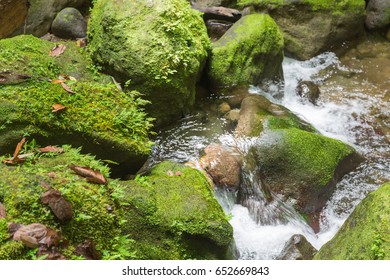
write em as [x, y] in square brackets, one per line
[19, 146]
[170, 173]
[10, 78]
[61, 207]
[52, 174]
[57, 50]
[67, 88]
[81, 43]
[57, 107]
[59, 81]
[51, 149]
[72, 79]
[3, 213]
[92, 176]
[178, 173]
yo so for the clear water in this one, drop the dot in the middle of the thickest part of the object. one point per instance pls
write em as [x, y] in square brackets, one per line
[353, 107]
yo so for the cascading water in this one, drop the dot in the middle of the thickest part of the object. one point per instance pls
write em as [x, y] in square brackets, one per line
[350, 109]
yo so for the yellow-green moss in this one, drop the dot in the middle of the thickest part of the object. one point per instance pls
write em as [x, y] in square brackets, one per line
[365, 235]
[252, 49]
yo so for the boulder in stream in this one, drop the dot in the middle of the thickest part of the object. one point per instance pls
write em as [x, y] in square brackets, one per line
[311, 27]
[163, 59]
[378, 14]
[297, 248]
[365, 234]
[308, 90]
[248, 53]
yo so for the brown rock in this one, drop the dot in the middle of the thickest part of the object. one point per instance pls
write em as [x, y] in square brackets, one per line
[12, 15]
[219, 13]
[223, 165]
[216, 28]
[308, 90]
[298, 248]
[36, 230]
[29, 241]
[61, 208]
[3, 213]
[223, 108]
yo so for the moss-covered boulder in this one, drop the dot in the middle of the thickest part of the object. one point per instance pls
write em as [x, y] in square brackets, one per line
[292, 159]
[156, 47]
[365, 234]
[158, 216]
[104, 120]
[314, 26]
[250, 51]
[173, 214]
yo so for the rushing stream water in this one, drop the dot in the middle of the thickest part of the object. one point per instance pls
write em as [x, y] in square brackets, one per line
[353, 107]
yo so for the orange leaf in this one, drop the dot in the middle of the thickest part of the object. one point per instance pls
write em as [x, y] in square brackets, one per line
[92, 176]
[57, 107]
[19, 147]
[58, 81]
[57, 50]
[51, 149]
[66, 88]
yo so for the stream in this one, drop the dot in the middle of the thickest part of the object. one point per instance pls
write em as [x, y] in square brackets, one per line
[353, 107]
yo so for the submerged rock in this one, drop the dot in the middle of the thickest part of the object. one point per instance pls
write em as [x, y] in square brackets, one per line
[365, 234]
[12, 15]
[162, 59]
[311, 27]
[69, 24]
[223, 165]
[248, 53]
[308, 90]
[104, 120]
[297, 248]
[378, 14]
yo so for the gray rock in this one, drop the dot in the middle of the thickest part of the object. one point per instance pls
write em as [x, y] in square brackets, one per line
[297, 248]
[12, 15]
[378, 14]
[308, 90]
[42, 12]
[69, 24]
[219, 13]
[216, 28]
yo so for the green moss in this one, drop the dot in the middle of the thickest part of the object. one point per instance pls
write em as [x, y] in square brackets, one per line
[314, 154]
[248, 52]
[97, 111]
[365, 234]
[289, 121]
[183, 208]
[12, 250]
[162, 59]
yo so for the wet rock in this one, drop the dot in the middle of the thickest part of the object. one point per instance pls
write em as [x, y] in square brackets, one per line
[233, 115]
[36, 230]
[223, 165]
[3, 213]
[308, 90]
[69, 24]
[250, 52]
[12, 15]
[216, 28]
[388, 35]
[223, 108]
[297, 248]
[61, 208]
[378, 14]
[29, 241]
[219, 13]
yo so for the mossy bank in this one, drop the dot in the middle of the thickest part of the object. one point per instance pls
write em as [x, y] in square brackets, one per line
[158, 216]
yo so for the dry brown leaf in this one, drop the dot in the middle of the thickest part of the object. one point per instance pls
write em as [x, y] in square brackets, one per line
[170, 173]
[57, 50]
[178, 173]
[57, 107]
[67, 88]
[16, 159]
[51, 149]
[19, 146]
[92, 176]
[59, 81]
[81, 43]
[3, 213]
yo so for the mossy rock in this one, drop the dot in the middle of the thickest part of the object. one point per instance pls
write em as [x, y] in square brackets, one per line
[365, 234]
[303, 166]
[179, 201]
[158, 47]
[153, 217]
[104, 120]
[249, 52]
[311, 27]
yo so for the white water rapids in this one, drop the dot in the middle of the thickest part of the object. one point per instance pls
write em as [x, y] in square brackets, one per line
[343, 112]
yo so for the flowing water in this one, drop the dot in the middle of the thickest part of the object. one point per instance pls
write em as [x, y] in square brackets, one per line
[353, 107]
